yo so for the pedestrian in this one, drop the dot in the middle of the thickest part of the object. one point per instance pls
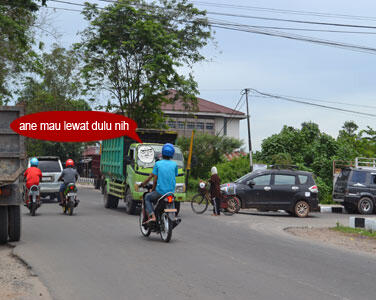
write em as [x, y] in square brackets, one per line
[215, 191]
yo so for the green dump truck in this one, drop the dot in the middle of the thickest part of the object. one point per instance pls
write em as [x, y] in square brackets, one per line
[126, 163]
[12, 165]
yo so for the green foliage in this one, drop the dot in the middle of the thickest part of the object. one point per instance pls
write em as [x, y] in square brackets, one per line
[58, 89]
[134, 50]
[229, 171]
[314, 151]
[352, 231]
[208, 150]
[16, 40]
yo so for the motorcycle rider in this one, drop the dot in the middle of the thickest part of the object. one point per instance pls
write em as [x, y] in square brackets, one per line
[69, 175]
[164, 173]
[33, 176]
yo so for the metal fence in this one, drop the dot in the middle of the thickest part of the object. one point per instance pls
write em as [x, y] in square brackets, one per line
[85, 180]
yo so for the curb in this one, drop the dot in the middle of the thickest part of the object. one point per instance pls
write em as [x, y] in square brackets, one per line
[368, 223]
[332, 209]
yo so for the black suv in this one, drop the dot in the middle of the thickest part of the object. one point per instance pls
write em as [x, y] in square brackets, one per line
[274, 189]
[355, 188]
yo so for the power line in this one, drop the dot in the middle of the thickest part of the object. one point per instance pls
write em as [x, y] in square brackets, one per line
[286, 11]
[290, 20]
[313, 104]
[224, 25]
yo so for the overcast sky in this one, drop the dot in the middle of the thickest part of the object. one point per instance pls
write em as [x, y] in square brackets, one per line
[276, 65]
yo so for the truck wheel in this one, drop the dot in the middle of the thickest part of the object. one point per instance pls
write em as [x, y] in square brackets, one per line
[14, 223]
[3, 224]
[365, 206]
[130, 204]
[109, 200]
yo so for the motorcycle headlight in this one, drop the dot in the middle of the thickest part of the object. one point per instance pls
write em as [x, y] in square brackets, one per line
[180, 188]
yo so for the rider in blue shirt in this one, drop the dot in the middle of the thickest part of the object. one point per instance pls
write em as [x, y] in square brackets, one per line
[164, 173]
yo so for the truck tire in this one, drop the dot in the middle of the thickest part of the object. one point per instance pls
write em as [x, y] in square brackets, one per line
[3, 224]
[14, 223]
[109, 200]
[365, 206]
[130, 204]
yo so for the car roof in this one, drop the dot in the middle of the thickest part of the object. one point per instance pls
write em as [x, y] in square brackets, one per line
[48, 157]
[281, 171]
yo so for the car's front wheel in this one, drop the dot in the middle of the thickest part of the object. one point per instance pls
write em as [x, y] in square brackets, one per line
[301, 209]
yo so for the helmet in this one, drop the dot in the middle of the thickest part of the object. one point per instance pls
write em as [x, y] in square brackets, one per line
[202, 185]
[34, 161]
[69, 163]
[168, 150]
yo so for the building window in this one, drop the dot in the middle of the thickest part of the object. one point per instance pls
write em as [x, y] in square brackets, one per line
[172, 124]
[181, 125]
[200, 125]
[209, 126]
[190, 125]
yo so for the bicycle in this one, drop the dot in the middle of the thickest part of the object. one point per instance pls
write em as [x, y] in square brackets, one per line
[230, 204]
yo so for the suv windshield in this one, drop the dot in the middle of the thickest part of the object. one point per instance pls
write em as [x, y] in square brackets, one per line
[178, 157]
[49, 166]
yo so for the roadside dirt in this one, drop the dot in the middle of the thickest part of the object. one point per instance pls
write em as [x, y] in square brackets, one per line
[350, 241]
[16, 280]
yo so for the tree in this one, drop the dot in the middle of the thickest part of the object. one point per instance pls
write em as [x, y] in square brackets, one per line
[208, 150]
[58, 89]
[16, 40]
[134, 50]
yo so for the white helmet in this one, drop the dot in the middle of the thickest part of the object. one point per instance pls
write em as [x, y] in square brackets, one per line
[202, 185]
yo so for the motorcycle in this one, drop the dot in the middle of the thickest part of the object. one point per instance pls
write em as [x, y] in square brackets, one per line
[165, 213]
[70, 199]
[32, 202]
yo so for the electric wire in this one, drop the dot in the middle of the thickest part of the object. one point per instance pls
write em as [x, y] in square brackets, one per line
[312, 104]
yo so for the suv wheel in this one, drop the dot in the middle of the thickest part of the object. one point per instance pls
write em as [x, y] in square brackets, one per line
[301, 209]
[365, 206]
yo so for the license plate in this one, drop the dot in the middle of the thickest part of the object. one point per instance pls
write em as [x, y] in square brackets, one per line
[71, 194]
[46, 178]
[170, 210]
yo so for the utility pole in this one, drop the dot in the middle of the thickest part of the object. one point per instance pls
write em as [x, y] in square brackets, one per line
[249, 132]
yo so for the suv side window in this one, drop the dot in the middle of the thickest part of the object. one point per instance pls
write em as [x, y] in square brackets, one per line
[280, 179]
[359, 177]
[303, 179]
[373, 179]
[262, 180]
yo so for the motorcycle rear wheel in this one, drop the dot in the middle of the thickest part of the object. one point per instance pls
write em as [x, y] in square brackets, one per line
[33, 208]
[144, 230]
[70, 208]
[166, 228]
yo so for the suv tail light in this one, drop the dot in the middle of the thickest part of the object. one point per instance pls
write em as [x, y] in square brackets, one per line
[313, 189]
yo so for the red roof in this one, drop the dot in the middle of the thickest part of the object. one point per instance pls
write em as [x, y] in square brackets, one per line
[203, 106]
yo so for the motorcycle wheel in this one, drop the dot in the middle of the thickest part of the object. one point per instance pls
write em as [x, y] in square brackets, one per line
[70, 207]
[199, 204]
[33, 208]
[166, 228]
[144, 230]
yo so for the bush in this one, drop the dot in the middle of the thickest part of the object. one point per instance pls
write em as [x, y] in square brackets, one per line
[325, 191]
[231, 170]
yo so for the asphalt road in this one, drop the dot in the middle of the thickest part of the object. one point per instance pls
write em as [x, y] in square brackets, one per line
[100, 254]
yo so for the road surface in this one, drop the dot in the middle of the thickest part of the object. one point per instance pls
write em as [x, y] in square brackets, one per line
[100, 254]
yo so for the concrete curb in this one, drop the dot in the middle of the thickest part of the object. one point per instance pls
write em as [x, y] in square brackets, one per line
[332, 209]
[368, 223]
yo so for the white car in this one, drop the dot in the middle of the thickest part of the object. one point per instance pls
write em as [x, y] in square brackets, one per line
[51, 168]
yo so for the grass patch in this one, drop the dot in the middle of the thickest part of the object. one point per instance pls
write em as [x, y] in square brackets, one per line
[358, 231]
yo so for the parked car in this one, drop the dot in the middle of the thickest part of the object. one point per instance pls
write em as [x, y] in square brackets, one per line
[51, 168]
[355, 189]
[275, 189]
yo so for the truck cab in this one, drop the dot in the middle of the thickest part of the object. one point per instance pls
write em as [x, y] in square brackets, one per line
[125, 164]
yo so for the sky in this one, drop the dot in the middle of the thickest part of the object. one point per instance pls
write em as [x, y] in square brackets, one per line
[274, 65]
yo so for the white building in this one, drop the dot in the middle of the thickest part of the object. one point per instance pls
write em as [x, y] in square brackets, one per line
[209, 117]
